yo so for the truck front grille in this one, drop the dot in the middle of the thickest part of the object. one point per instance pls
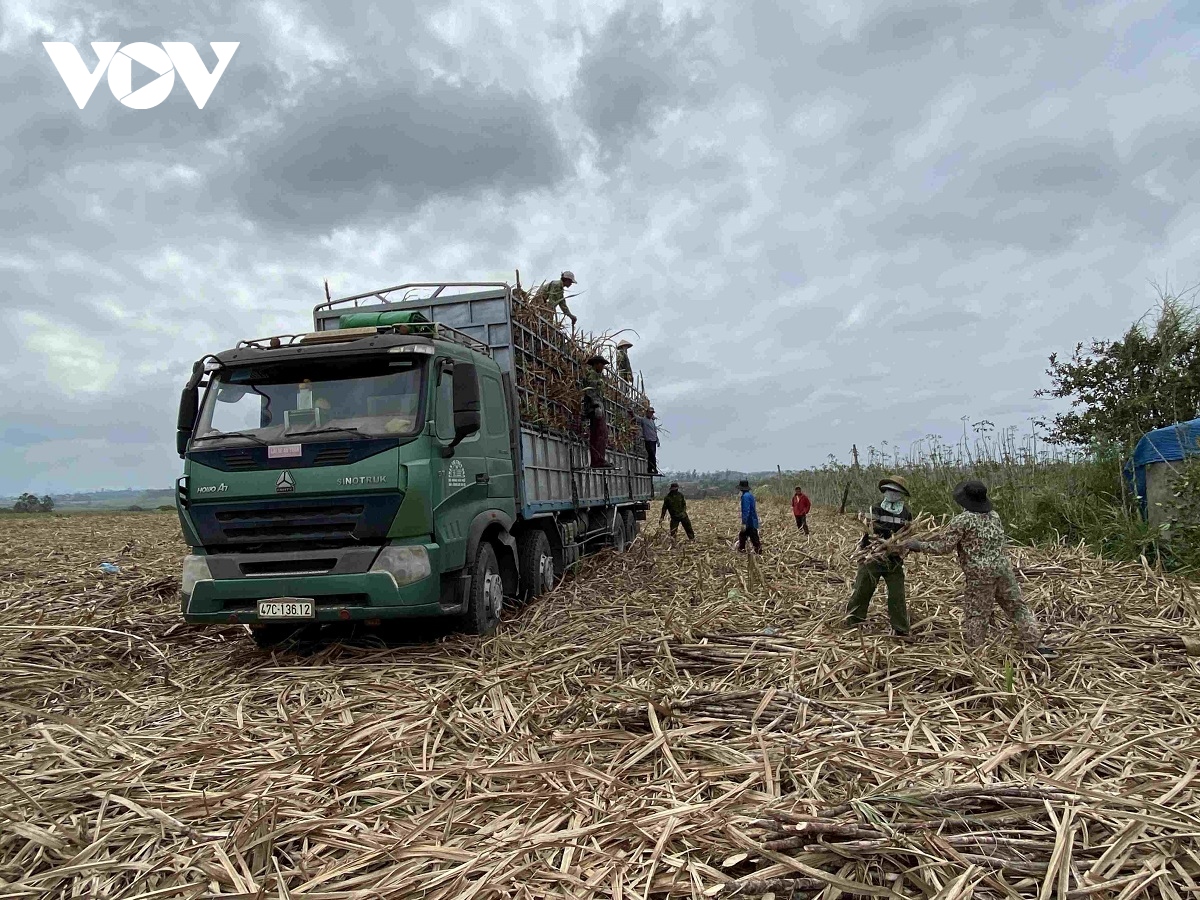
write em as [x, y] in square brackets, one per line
[277, 567]
[263, 525]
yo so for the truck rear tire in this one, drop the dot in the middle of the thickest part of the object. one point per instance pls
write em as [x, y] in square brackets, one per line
[486, 598]
[620, 540]
[537, 565]
[631, 525]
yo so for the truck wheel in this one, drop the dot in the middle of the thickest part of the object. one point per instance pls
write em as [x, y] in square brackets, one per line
[620, 541]
[486, 599]
[631, 525]
[537, 565]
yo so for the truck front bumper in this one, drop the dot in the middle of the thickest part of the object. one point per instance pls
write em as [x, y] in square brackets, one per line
[336, 597]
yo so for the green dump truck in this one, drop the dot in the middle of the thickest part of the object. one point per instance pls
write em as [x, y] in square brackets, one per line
[415, 455]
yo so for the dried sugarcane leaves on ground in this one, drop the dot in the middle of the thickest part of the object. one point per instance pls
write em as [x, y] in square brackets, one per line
[676, 721]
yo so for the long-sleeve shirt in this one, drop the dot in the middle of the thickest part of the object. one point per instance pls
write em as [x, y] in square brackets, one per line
[649, 429]
[624, 368]
[801, 504]
[593, 391]
[749, 510]
[977, 538]
[552, 296]
[675, 504]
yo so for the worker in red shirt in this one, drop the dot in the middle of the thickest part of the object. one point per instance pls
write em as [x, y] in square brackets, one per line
[800, 507]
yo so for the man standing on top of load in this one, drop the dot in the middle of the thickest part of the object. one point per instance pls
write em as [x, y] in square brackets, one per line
[593, 411]
[553, 297]
[624, 367]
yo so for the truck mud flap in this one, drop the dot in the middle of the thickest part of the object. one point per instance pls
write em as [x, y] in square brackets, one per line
[456, 589]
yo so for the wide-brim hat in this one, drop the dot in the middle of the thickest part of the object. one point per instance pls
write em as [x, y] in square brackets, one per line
[744, 484]
[972, 496]
[623, 345]
[896, 482]
[597, 358]
[674, 484]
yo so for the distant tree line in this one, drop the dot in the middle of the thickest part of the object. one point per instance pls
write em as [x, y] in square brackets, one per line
[28, 503]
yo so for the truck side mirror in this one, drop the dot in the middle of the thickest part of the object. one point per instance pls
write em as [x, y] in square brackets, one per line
[189, 409]
[466, 405]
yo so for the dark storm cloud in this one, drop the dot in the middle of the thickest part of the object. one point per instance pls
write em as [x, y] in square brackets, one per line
[349, 150]
[638, 68]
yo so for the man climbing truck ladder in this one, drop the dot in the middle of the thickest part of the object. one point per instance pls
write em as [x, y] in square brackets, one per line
[428, 481]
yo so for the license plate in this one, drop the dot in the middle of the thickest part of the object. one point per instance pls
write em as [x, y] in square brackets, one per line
[286, 608]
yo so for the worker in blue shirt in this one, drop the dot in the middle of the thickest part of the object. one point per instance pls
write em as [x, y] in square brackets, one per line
[749, 520]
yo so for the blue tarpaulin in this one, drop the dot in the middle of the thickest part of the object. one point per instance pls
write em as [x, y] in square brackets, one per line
[1166, 444]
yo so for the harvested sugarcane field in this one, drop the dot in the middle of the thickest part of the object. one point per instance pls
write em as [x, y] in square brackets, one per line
[676, 720]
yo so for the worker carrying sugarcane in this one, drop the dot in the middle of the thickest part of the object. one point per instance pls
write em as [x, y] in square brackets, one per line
[887, 519]
[552, 296]
[977, 535]
[593, 411]
[675, 504]
[624, 368]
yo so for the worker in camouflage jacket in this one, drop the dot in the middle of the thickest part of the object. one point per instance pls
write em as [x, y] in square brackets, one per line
[977, 535]
[553, 298]
[675, 504]
[888, 518]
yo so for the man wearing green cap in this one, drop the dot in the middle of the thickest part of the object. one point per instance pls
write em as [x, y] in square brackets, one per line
[888, 517]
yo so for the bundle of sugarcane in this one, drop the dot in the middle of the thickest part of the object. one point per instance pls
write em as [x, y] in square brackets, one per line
[877, 548]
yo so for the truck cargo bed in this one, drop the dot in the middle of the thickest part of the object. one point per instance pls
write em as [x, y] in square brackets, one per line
[552, 464]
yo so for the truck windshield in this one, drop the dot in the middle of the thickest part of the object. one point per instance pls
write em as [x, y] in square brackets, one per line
[282, 402]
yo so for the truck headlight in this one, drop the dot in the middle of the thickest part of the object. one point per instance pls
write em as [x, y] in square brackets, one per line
[195, 569]
[404, 564]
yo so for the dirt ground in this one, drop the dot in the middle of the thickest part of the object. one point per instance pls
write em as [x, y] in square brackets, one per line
[678, 720]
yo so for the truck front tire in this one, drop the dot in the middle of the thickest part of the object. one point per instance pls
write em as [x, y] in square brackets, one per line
[486, 598]
[537, 565]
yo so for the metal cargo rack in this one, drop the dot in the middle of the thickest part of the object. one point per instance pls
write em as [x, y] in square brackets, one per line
[435, 329]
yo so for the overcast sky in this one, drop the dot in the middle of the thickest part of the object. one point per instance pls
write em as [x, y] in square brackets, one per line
[829, 223]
